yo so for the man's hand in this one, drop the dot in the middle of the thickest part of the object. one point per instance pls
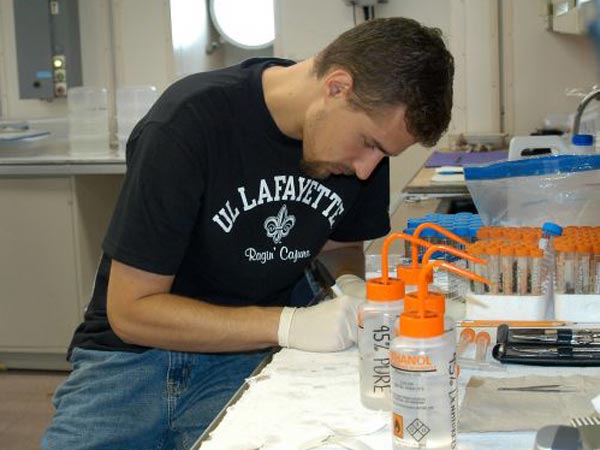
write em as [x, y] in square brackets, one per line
[352, 285]
[327, 327]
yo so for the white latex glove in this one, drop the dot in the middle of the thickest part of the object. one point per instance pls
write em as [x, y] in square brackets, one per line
[352, 285]
[329, 326]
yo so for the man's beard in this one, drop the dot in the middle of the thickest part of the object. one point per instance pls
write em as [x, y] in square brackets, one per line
[315, 169]
[321, 169]
[318, 169]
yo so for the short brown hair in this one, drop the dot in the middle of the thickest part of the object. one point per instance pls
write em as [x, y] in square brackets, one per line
[397, 61]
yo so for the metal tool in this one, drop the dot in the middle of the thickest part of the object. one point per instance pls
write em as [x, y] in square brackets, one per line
[334, 439]
[540, 388]
[559, 336]
[547, 356]
[548, 347]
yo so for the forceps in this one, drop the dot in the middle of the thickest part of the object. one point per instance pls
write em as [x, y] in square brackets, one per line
[333, 439]
[540, 388]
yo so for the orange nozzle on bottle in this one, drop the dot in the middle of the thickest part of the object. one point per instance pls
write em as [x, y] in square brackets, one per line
[453, 251]
[386, 288]
[419, 320]
[434, 301]
[410, 274]
[380, 291]
[421, 325]
[433, 226]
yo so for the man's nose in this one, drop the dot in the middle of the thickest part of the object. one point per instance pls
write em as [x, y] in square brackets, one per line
[364, 166]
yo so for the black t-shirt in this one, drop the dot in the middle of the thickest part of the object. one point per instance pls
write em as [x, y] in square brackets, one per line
[215, 196]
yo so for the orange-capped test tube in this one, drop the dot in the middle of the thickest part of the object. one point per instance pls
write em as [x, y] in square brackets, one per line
[522, 272]
[494, 268]
[561, 248]
[506, 264]
[569, 253]
[582, 267]
[535, 270]
[595, 268]
[478, 251]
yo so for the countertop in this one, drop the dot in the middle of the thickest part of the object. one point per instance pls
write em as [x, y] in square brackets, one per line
[58, 160]
[421, 184]
[301, 396]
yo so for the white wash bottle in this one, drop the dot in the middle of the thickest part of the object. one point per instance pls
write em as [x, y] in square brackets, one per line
[424, 373]
[377, 319]
[376, 328]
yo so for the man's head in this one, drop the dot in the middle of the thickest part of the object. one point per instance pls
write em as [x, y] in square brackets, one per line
[385, 85]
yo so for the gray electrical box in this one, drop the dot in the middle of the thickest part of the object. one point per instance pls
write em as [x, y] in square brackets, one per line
[48, 47]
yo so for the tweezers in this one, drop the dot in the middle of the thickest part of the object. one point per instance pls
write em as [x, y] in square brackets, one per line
[547, 356]
[557, 336]
[334, 439]
[540, 388]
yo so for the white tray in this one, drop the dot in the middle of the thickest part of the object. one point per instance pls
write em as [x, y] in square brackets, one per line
[505, 307]
[579, 308]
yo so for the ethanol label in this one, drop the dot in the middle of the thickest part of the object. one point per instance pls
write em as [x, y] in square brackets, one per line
[412, 363]
[424, 400]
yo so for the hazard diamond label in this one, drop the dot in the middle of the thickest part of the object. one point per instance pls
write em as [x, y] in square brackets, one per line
[418, 430]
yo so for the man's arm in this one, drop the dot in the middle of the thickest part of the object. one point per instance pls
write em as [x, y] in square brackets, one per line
[142, 311]
[346, 263]
[342, 258]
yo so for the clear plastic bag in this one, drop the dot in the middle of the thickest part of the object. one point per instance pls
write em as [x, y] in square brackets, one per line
[563, 189]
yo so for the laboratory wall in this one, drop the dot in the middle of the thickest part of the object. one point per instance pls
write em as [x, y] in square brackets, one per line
[510, 70]
[541, 66]
[470, 29]
[123, 42]
[507, 78]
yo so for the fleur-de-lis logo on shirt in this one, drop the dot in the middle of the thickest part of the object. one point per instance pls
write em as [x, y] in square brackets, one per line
[279, 226]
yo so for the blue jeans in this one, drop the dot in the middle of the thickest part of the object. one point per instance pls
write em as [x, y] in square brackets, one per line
[156, 400]
[153, 400]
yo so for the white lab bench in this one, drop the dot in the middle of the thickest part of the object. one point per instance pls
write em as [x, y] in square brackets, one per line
[55, 209]
[301, 396]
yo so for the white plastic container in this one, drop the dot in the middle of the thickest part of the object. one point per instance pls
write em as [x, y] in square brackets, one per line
[133, 102]
[506, 307]
[376, 329]
[424, 371]
[520, 143]
[577, 307]
[424, 384]
[583, 144]
[88, 121]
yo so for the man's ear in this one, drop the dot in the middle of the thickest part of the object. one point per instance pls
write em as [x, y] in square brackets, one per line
[338, 83]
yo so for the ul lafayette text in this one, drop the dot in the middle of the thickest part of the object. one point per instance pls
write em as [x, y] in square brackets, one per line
[281, 188]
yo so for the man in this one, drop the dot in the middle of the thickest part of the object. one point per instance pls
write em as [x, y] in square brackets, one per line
[236, 180]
